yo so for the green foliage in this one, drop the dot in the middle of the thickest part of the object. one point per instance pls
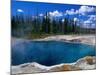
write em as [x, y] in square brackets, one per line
[39, 27]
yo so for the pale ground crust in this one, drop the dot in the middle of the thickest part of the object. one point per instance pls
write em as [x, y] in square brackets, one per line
[86, 63]
[86, 39]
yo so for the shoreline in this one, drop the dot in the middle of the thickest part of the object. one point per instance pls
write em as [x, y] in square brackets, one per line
[85, 63]
[84, 39]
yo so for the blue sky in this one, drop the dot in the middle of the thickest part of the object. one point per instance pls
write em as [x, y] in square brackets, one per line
[83, 13]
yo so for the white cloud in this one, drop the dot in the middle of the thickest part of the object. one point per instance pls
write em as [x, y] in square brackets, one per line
[41, 14]
[76, 19]
[89, 25]
[85, 9]
[87, 22]
[20, 10]
[90, 22]
[92, 17]
[63, 20]
[71, 12]
[56, 13]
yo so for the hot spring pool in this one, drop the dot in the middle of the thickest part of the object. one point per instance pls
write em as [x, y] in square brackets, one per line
[49, 52]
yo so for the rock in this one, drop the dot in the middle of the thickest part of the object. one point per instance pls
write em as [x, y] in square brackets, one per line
[86, 63]
[64, 67]
[75, 40]
[90, 60]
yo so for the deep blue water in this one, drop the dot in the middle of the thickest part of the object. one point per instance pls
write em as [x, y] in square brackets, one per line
[49, 52]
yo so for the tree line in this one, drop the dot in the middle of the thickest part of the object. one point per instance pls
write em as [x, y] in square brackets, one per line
[37, 25]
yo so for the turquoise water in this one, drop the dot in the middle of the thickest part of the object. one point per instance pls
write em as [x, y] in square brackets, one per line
[49, 52]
